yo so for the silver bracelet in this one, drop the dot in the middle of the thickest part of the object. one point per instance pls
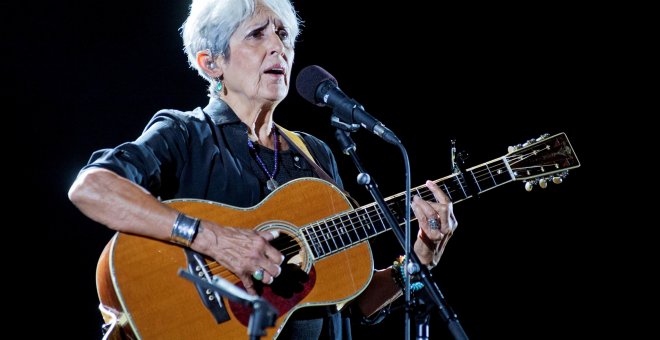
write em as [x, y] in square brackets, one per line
[184, 230]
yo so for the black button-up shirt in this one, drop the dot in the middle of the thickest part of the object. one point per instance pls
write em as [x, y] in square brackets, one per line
[204, 154]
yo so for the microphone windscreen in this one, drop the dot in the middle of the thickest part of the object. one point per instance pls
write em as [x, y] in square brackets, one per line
[309, 79]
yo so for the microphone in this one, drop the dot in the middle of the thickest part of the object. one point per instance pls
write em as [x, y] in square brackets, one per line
[320, 88]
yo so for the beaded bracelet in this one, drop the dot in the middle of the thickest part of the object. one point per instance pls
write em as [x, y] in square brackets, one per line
[184, 230]
[398, 275]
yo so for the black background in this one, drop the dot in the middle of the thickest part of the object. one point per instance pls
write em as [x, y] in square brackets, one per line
[520, 265]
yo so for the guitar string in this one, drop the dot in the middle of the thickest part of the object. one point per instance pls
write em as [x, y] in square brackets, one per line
[317, 235]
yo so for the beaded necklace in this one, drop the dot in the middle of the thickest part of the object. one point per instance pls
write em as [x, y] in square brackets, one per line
[271, 184]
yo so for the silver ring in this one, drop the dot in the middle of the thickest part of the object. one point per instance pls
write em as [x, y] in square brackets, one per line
[434, 224]
[258, 274]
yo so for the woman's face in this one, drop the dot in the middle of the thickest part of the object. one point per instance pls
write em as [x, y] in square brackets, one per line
[261, 54]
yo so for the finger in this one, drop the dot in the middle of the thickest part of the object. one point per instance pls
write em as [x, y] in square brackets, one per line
[266, 275]
[439, 195]
[269, 235]
[417, 210]
[429, 210]
[423, 211]
[270, 251]
[442, 211]
[271, 269]
[248, 284]
[452, 223]
[268, 279]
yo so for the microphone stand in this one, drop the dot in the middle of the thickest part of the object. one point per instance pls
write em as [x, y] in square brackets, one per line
[263, 313]
[413, 264]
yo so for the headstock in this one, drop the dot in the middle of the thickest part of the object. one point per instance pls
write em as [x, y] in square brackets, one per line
[542, 160]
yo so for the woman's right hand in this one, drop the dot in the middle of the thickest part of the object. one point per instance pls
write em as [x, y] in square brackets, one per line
[241, 251]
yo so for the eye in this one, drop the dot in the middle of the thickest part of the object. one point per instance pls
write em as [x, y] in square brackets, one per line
[256, 33]
[284, 36]
[283, 33]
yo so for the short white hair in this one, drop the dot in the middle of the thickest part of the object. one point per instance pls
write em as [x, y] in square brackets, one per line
[211, 23]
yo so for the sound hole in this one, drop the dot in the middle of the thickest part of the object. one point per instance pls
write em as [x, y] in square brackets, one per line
[294, 275]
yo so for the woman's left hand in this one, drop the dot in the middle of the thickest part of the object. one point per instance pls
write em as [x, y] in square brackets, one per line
[436, 220]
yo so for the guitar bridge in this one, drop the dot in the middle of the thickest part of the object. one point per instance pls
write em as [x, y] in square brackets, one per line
[211, 299]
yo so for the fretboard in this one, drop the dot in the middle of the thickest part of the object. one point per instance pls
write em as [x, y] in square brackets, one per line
[339, 232]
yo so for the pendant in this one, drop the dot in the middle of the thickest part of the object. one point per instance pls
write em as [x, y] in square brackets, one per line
[271, 184]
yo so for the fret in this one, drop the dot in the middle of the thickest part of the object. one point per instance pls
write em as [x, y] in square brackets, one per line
[447, 191]
[417, 192]
[344, 237]
[365, 223]
[325, 244]
[352, 232]
[313, 242]
[346, 230]
[494, 171]
[397, 206]
[458, 180]
[360, 232]
[372, 223]
[379, 224]
[476, 181]
[339, 234]
[490, 174]
[318, 239]
[333, 235]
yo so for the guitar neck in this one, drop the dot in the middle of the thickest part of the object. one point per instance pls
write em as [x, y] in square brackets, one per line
[332, 235]
[536, 160]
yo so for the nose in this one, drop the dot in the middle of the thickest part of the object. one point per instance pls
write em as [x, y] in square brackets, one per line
[275, 44]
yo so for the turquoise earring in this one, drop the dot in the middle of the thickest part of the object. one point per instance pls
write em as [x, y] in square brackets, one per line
[219, 86]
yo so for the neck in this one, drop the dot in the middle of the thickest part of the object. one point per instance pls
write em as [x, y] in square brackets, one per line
[258, 116]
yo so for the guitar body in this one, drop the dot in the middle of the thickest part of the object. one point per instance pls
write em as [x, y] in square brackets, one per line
[137, 276]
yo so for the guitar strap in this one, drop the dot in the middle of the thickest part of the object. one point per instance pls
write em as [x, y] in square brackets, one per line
[297, 143]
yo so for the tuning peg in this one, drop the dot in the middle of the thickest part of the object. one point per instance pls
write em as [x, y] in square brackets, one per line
[543, 183]
[514, 148]
[542, 137]
[529, 142]
[529, 186]
[557, 180]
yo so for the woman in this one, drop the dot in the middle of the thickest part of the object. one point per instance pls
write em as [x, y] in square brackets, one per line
[232, 152]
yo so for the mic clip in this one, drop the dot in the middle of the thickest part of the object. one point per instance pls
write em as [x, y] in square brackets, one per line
[340, 124]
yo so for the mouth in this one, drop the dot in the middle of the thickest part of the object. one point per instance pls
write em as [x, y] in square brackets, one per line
[276, 70]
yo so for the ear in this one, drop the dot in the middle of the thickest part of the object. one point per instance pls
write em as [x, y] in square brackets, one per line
[211, 67]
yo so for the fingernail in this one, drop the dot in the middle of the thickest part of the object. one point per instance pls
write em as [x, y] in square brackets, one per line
[282, 260]
[271, 280]
[275, 233]
[279, 271]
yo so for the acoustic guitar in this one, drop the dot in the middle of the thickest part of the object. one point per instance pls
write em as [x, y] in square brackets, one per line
[324, 238]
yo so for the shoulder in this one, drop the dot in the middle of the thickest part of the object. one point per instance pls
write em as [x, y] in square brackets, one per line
[177, 119]
[196, 115]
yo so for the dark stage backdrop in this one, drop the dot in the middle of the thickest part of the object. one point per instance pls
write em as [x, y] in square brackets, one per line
[521, 265]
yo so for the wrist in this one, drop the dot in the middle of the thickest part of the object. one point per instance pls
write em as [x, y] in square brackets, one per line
[184, 230]
[429, 243]
[398, 271]
[429, 251]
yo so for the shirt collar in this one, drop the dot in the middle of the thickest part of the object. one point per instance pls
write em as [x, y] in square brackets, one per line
[220, 112]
